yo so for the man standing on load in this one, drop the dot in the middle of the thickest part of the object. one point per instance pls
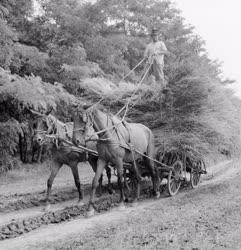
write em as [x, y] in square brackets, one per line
[155, 52]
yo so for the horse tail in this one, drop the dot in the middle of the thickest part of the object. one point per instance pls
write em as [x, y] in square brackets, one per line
[150, 148]
[154, 171]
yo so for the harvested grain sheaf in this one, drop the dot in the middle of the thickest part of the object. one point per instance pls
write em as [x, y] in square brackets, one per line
[191, 112]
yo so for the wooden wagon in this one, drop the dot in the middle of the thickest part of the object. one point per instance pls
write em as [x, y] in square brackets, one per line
[174, 166]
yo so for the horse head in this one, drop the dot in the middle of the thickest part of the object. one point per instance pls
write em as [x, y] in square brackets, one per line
[44, 124]
[83, 125]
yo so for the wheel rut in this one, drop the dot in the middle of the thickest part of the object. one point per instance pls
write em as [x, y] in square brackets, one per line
[14, 224]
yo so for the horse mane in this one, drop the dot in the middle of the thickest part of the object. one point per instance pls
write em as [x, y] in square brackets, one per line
[63, 130]
[103, 110]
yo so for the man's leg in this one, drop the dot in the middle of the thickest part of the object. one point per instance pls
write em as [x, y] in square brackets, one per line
[158, 73]
[150, 79]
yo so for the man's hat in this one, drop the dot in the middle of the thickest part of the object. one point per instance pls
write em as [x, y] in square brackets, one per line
[154, 31]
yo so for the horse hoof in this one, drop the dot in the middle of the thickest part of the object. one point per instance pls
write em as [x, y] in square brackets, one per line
[46, 208]
[157, 196]
[121, 206]
[90, 213]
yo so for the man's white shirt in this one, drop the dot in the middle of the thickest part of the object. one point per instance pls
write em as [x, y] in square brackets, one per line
[155, 49]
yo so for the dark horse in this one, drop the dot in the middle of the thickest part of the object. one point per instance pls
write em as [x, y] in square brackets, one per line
[115, 144]
[52, 132]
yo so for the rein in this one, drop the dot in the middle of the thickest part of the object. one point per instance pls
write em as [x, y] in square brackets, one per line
[90, 117]
[49, 133]
[126, 106]
[109, 140]
[40, 131]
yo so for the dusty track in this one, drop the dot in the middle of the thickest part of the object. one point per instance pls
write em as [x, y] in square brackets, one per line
[218, 174]
[13, 224]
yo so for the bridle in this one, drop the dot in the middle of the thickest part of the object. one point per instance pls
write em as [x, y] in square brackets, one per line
[49, 133]
[90, 122]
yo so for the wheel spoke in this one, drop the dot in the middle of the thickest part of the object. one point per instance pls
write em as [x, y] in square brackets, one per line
[195, 177]
[174, 178]
[173, 185]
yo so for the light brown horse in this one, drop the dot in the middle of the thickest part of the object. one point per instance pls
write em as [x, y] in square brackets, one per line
[116, 139]
[51, 132]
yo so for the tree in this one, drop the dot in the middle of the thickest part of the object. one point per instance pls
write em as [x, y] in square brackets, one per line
[17, 96]
[18, 12]
[80, 44]
[6, 39]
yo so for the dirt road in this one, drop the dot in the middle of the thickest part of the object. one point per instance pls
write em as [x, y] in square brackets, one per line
[205, 218]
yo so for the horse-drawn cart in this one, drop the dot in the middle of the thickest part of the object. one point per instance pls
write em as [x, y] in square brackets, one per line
[185, 167]
[122, 145]
[174, 169]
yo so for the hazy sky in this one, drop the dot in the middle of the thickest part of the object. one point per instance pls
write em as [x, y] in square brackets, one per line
[218, 23]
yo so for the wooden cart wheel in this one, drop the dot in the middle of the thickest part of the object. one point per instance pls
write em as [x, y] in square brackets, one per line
[174, 178]
[195, 176]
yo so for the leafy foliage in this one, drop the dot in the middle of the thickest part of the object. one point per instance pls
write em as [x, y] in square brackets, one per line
[28, 60]
[31, 92]
[17, 95]
[9, 135]
[88, 48]
[6, 39]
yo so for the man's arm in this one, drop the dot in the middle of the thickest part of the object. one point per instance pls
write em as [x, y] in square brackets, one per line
[164, 52]
[163, 49]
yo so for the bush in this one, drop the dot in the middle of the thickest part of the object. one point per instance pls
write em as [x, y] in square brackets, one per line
[9, 139]
[17, 95]
[28, 60]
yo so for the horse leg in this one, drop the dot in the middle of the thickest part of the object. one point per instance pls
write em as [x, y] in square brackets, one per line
[119, 166]
[33, 153]
[109, 187]
[39, 151]
[100, 167]
[108, 173]
[138, 176]
[75, 172]
[100, 185]
[93, 162]
[138, 188]
[25, 153]
[154, 172]
[20, 147]
[155, 177]
[55, 169]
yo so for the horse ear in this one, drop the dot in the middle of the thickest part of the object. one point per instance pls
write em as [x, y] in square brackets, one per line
[84, 117]
[36, 113]
[75, 105]
[49, 111]
[86, 106]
